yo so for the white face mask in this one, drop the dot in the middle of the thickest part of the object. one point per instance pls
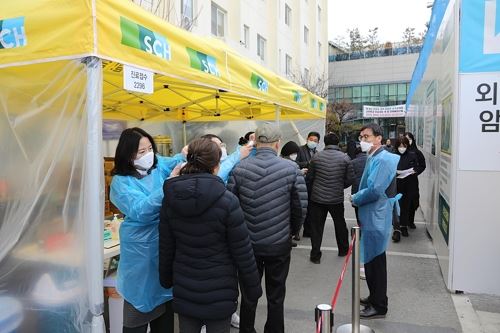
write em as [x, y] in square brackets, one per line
[402, 150]
[293, 157]
[145, 162]
[224, 153]
[365, 146]
[312, 144]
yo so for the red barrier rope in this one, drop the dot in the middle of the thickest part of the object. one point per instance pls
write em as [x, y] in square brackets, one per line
[341, 277]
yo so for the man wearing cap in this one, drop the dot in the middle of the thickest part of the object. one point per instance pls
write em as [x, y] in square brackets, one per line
[273, 197]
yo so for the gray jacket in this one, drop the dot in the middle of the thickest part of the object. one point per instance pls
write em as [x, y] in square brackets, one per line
[331, 172]
[273, 196]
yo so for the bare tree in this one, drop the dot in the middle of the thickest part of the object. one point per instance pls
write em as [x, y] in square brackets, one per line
[356, 41]
[337, 113]
[317, 84]
[165, 9]
[409, 37]
[372, 39]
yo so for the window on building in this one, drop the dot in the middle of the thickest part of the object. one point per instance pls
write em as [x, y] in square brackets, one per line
[246, 36]
[348, 92]
[288, 15]
[288, 65]
[261, 47]
[306, 73]
[319, 14]
[187, 13]
[218, 20]
[306, 35]
[319, 49]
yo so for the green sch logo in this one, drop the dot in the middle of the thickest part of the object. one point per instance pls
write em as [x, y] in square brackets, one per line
[12, 33]
[259, 83]
[139, 37]
[321, 106]
[314, 103]
[203, 62]
[297, 97]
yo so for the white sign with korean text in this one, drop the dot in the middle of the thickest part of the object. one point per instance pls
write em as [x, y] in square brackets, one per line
[139, 80]
[479, 122]
[384, 111]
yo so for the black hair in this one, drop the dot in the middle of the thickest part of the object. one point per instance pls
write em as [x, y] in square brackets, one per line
[402, 140]
[289, 148]
[210, 137]
[410, 135]
[351, 149]
[331, 139]
[316, 134]
[376, 129]
[126, 151]
[203, 157]
[245, 139]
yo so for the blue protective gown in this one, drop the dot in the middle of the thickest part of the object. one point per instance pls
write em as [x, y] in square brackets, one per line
[140, 200]
[230, 162]
[375, 208]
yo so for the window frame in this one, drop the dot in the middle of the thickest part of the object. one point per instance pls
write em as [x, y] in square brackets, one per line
[306, 35]
[288, 15]
[218, 10]
[261, 49]
[246, 36]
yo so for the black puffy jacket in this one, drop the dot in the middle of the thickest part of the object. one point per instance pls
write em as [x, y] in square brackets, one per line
[330, 172]
[204, 243]
[273, 197]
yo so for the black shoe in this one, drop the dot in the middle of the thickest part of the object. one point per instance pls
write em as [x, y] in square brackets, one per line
[364, 301]
[315, 260]
[294, 244]
[404, 232]
[396, 236]
[412, 226]
[342, 253]
[369, 312]
[306, 234]
[296, 237]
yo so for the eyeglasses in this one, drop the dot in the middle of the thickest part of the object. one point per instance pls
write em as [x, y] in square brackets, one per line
[364, 137]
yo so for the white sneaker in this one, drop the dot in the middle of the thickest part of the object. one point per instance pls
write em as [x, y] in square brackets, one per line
[235, 320]
[203, 329]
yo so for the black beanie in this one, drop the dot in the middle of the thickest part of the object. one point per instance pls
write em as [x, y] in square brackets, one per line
[289, 148]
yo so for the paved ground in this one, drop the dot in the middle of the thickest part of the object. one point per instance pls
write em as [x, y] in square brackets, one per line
[418, 299]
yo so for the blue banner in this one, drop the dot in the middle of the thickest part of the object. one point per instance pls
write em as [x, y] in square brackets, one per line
[480, 36]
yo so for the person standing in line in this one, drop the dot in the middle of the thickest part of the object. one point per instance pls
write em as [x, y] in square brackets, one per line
[204, 244]
[330, 172]
[306, 152]
[358, 165]
[273, 197]
[375, 214]
[289, 152]
[388, 146]
[418, 170]
[407, 183]
[136, 189]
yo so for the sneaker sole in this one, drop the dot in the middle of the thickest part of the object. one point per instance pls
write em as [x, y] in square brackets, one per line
[373, 317]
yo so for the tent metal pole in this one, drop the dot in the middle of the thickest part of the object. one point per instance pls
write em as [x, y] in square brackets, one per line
[278, 112]
[93, 194]
[184, 134]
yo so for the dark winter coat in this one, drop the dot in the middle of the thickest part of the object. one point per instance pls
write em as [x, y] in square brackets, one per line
[330, 172]
[204, 246]
[421, 159]
[304, 156]
[273, 197]
[409, 185]
[358, 165]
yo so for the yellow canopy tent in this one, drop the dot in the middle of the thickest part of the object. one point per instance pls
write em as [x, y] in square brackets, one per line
[194, 79]
[61, 73]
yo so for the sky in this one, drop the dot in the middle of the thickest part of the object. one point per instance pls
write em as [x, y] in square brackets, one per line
[390, 16]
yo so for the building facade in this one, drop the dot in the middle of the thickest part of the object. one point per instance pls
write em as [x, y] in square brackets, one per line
[375, 78]
[288, 37]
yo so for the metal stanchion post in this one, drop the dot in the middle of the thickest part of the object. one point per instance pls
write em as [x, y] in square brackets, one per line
[355, 326]
[323, 313]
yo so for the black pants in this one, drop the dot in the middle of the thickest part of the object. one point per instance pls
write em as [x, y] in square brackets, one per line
[193, 325]
[376, 279]
[318, 218]
[275, 270]
[162, 324]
